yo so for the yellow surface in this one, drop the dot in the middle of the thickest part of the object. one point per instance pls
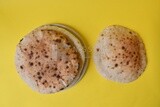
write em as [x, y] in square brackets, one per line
[89, 17]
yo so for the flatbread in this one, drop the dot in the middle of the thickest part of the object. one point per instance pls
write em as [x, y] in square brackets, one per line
[50, 59]
[120, 54]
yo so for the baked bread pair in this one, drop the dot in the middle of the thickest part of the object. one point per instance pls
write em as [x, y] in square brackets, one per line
[53, 57]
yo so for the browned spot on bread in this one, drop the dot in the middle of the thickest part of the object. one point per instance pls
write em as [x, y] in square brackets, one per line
[130, 32]
[21, 40]
[38, 73]
[123, 47]
[67, 67]
[62, 89]
[116, 65]
[55, 69]
[58, 76]
[39, 63]
[31, 63]
[37, 41]
[21, 67]
[46, 56]
[39, 77]
[25, 49]
[127, 62]
[30, 54]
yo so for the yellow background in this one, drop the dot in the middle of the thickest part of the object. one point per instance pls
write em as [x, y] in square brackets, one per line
[89, 18]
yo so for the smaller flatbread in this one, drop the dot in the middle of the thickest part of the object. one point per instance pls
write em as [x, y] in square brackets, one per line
[120, 54]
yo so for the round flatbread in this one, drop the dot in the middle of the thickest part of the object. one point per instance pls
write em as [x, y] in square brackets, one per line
[50, 58]
[120, 54]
